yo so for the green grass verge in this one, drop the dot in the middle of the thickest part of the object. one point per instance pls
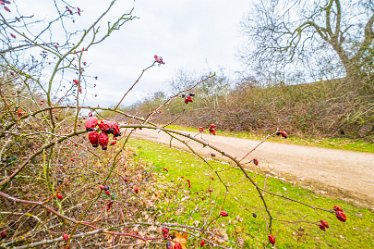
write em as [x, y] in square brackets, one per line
[331, 143]
[355, 233]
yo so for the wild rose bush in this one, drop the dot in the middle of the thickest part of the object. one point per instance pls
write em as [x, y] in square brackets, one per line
[58, 188]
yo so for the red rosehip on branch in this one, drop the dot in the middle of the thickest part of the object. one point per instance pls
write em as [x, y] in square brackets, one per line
[165, 232]
[177, 246]
[271, 239]
[340, 215]
[158, 59]
[323, 225]
[91, 123]
[65, 237]
[136, 189]
[93, 137]
[103, 140]
[223, 213]
[188, 99]
[104, 187]
[282, 133]
[59, 196]
[202, 243]
[201, 129]
[337, 208]
[104, 126]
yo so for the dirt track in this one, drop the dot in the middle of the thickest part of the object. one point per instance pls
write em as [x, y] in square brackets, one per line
[343, 174]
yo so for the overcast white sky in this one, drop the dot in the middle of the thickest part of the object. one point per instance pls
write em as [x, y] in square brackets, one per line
[195, 35]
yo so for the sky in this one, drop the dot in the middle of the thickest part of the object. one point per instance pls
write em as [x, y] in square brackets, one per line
[193, 35]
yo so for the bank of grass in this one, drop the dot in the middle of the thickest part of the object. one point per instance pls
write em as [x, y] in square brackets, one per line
[330, 143]
[243, 201]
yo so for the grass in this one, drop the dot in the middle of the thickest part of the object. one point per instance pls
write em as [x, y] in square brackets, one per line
[330, 143]
[200, 204]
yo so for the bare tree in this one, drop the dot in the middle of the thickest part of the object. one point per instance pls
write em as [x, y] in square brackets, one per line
[311, 35]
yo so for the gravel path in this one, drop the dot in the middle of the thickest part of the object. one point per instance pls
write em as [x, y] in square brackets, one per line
[343, 174]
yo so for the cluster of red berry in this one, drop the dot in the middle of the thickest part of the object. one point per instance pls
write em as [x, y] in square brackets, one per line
[105, 188]
[212, 129]
[158, 59]
[77, 84]
[188, 97]
[102, 138]
[3, 2]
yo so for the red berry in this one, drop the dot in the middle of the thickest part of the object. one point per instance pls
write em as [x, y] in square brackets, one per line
[114, 129]
[212, 126]
[91, 123]
[212, 131]
[189, 183]
[76, 82]
[224, 213]
[109, 206]
[322, 227]
[136, 189]
[65, 237]
[324, 223]
[255, 161]
[271, 239]
[59, 196]
[177, 246]
[158, 59]
[337, 208]
[113, 142]
[3, 233]
[93, 137]
[107, 192]
[188, 99]
[341, 216]
[283, 133]
[105, 126]
[201, 129]
[165, 232]
[103, 140]
[202, 243]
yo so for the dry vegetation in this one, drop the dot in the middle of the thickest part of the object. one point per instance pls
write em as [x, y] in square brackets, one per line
[336, 108]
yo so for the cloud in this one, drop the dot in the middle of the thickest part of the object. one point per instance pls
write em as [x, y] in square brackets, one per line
[190, 34]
